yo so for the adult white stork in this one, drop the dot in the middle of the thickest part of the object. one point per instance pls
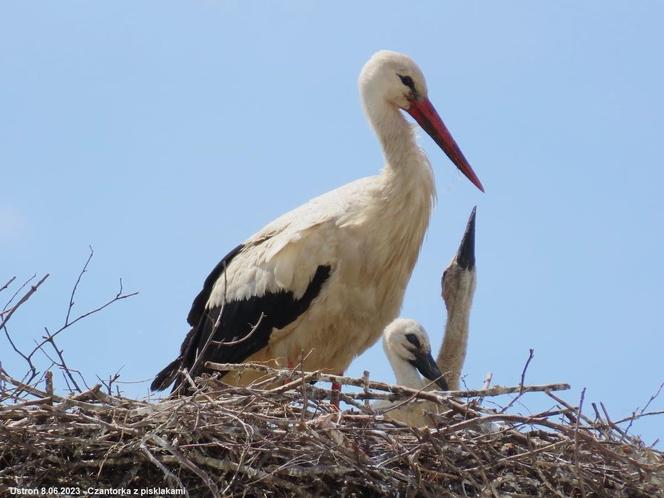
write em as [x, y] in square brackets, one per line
[322, 281]
[407, 347]
[458, 288]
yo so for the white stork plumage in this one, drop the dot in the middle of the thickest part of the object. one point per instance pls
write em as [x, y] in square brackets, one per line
[458, 288]
[322, 281]
[407, 347]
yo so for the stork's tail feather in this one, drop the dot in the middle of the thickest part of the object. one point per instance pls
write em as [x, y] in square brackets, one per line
[166, 377]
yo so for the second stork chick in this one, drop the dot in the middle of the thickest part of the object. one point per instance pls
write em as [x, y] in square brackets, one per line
[458, 288]
[407, 347]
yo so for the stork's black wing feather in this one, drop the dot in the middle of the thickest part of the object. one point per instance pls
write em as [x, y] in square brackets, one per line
[198, 306]
[204, 342]
[167, 375]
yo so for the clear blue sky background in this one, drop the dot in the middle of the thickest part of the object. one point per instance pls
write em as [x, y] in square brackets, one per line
[164, 133]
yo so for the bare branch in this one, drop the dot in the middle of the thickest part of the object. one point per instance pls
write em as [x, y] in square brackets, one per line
[392, 388]
[68, 373]
[31, 366]
[18, 291]
[652, 398]
[576, 443]
[9, 282]
[78, 280]
[21, 301]
[7, 314]
[63, 365]
[531, 354]
[241, 339]
[639, 415]
[109, 384]
[118, 297]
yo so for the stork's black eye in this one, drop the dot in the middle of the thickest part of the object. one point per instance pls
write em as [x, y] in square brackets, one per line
[408, 81]
[412, 338]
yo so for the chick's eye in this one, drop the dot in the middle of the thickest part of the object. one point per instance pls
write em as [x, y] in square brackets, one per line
[412, 338]
[408, 81]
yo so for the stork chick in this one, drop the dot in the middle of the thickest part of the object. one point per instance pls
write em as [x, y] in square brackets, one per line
[458, 288]
[407, 348]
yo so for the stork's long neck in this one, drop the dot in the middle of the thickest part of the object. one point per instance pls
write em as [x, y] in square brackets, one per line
[401, 206]
[406, 166]
[455, 342]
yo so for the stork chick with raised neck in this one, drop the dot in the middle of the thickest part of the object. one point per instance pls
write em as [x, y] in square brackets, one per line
[407, 348]
[322, 281]
[458, 288]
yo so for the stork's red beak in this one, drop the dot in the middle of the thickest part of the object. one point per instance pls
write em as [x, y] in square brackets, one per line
[426, 116]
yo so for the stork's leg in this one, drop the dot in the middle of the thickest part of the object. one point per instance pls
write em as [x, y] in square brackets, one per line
[335, 394]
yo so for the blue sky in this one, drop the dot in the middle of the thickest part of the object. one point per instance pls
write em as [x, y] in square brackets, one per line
[164, 133]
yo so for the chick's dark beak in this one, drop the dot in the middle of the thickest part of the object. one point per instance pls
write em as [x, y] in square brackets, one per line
[426, 365]
[466, 252]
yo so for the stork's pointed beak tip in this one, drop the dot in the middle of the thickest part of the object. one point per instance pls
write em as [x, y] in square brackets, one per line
[427, 117]
[471, 218]
[426, 365]
[466, 253]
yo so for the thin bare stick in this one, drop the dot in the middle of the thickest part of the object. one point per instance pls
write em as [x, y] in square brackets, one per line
[49, 382]
[576, 445]
[365, 380]
[78, 281]
[652, 398]
[241, 339]
[167, 473]
[21, 301]
[32, 370]
[109, 384]
[638, 416]
[531, 354]
[610, 423]
[62, 364]
[17, 292]
[570, 408]
[392, 388]
[118, 297]
[9, 282]
[185, 462]
[639, 413]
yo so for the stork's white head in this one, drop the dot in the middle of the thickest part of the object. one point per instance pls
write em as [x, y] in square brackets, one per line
[391, 78]
[394, 77]
[406, 343]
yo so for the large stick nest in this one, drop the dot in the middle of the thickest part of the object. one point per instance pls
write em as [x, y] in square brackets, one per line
[289, 440]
